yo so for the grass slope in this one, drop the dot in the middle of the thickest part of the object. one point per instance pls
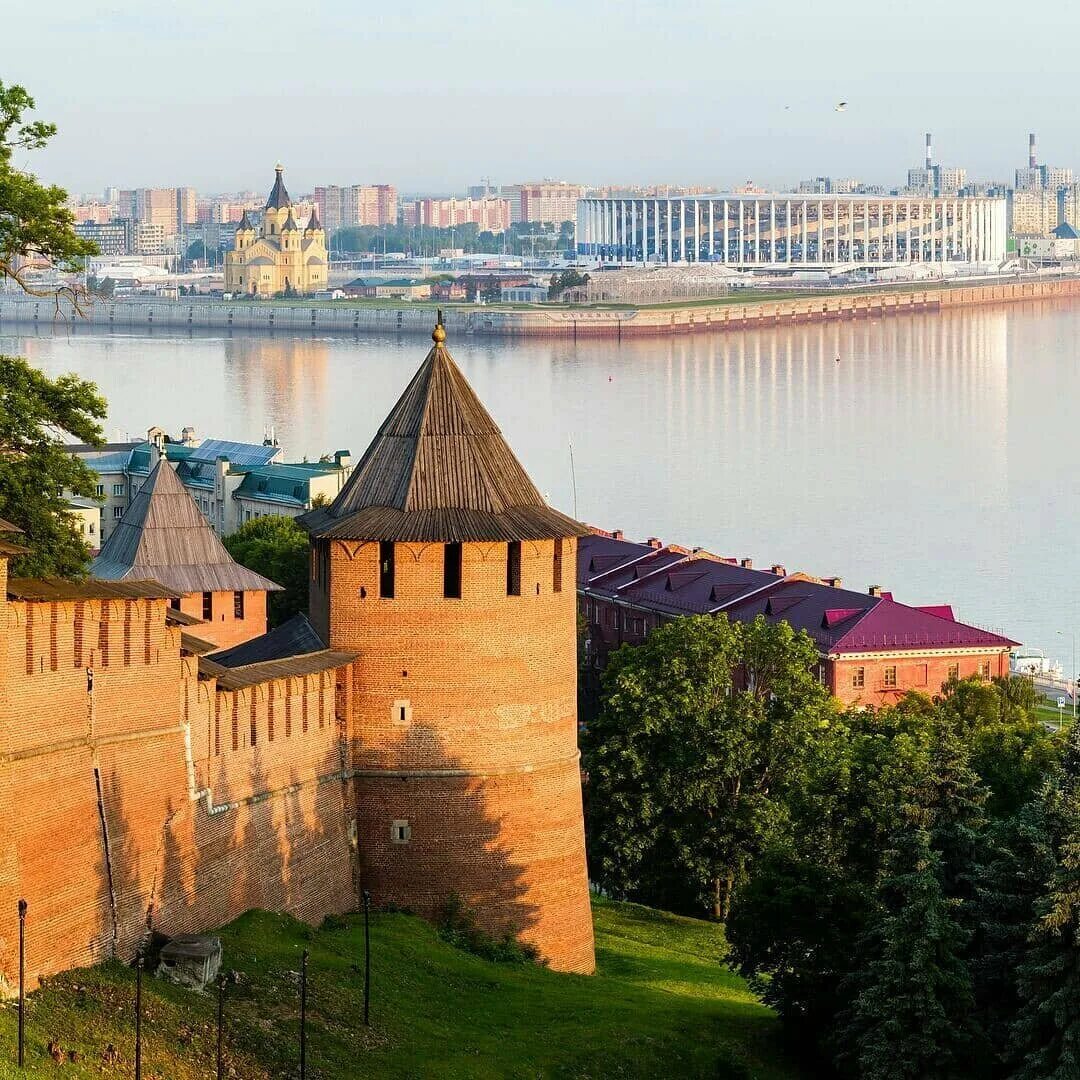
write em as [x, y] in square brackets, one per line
[661, 1004]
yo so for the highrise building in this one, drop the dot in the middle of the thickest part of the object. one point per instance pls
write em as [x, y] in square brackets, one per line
[491, 215]
[156, 206]
[357, 204]
[550, 201]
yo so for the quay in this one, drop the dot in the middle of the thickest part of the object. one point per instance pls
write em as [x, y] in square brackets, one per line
[359, 317]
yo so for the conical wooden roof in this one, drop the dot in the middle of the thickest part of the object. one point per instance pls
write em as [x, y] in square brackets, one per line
[439, 470]
[163, 536]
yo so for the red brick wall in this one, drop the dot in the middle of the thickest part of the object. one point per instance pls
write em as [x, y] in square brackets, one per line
[268, 824]
[224, 629]
[484, 766]
[926, 673]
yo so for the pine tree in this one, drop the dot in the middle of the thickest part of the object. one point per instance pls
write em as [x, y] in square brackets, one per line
[910, 1020]
[1046, 1034]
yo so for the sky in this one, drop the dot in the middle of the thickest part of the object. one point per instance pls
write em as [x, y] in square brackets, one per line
[435, 96]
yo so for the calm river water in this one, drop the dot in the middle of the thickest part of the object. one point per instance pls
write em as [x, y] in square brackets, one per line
[938, 457]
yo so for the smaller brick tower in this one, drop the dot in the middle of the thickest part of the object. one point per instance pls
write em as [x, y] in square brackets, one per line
[442, 566]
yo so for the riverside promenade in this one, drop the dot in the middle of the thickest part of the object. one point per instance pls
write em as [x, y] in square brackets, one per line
[360, 317]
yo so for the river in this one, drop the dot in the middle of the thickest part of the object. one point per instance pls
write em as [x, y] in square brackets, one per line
[933, 454]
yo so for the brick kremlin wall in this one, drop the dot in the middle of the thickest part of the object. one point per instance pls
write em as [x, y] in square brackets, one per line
[479, 757]
[149, 790]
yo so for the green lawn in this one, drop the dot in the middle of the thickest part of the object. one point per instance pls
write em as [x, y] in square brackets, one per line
[661, 1005]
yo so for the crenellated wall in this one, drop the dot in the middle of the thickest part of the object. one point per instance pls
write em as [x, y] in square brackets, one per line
[131, 788]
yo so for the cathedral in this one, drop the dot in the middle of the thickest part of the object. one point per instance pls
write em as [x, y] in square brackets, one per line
[277, 259]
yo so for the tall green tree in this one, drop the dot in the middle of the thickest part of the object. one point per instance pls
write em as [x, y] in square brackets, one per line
[277, 548]
[1046, 1035]
[37, 416]
[910, 1020]
[35, 224]
[701, 729]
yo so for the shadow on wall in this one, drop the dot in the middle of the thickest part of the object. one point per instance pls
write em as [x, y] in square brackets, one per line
[283, 850]
[424, 837]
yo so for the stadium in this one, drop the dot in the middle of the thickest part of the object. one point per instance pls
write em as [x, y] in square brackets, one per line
[778, 232]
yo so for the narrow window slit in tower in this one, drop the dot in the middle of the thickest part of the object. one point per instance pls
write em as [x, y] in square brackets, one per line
[452, 571]
[513, 568]
[386, 570]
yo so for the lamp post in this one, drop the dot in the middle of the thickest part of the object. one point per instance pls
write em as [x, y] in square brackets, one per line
[1061, 633]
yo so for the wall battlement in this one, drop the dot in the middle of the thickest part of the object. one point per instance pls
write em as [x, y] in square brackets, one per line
[130, 785]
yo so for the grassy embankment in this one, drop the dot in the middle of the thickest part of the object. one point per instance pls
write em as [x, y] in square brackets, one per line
[661, 1004]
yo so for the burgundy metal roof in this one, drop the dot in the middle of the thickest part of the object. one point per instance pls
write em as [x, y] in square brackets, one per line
[672, 580]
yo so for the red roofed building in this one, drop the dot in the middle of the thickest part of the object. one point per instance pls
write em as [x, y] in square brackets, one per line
[873, 649]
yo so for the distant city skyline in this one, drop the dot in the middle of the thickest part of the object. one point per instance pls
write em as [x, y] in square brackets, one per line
[433, 99]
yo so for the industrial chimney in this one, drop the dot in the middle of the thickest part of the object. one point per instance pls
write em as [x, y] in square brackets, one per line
[929, 154]
[1031, 150]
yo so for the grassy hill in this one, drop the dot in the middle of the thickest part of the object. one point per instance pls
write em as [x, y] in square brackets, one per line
[661, 1004]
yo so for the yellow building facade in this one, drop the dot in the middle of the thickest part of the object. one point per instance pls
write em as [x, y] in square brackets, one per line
[278, 258]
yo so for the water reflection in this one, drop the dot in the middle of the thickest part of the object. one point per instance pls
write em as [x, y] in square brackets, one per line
[930, 453]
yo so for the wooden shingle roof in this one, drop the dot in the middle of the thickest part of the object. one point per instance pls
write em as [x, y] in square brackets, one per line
[440, 471]
[163, 535]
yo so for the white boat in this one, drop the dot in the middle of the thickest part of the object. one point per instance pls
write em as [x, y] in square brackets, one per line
[1034, 663]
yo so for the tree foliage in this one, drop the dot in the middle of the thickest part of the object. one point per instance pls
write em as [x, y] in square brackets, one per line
[35, 224]
[277, 548]
[701, 730]
[37, 416]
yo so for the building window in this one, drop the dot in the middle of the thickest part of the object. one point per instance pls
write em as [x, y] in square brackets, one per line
[858, 678]
[890, 676]
[92, 528]
[386, 570]
[513, 568]
[207, 606]
[238, 604]
[400, 833]
[118, 489]
[100, 489]
[174, 603]
[401, 712]
[117, 512]
[452, 571]
[954, 673]
[556, 567]
[984, 669]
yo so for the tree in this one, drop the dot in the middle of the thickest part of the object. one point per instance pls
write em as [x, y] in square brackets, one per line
[1047, 1030]
[35, 224]
[910, 1018]
[700, 730]
[277, 548]
[36, 413]
[197, 252]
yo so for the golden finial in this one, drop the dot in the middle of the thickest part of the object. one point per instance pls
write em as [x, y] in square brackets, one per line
[438, 335]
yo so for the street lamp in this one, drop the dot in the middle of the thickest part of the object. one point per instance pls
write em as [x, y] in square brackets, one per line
[1061, 633]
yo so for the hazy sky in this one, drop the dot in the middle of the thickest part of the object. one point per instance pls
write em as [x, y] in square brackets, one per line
[434, 96]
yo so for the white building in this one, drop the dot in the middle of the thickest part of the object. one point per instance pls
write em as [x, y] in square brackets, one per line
[770, 231]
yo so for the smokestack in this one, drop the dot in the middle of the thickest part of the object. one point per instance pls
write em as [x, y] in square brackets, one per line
[1031, 150]
[929, 153]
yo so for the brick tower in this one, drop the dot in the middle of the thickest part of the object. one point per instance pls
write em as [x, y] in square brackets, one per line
[441, 564]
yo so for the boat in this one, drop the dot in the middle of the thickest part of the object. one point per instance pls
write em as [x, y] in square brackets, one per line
[1034, 663]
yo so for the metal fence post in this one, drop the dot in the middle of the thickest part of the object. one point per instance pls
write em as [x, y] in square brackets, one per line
[220, 1027]
[303, 1015]
[138, 1015]
[367, 957]
[22, 978]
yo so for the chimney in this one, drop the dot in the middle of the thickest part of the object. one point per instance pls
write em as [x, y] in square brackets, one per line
[929, 153]
[1031, 150]
[747, 564]
[778, 570]
[875, 590]
[833, 582]
[655, 542]
[616, 534]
